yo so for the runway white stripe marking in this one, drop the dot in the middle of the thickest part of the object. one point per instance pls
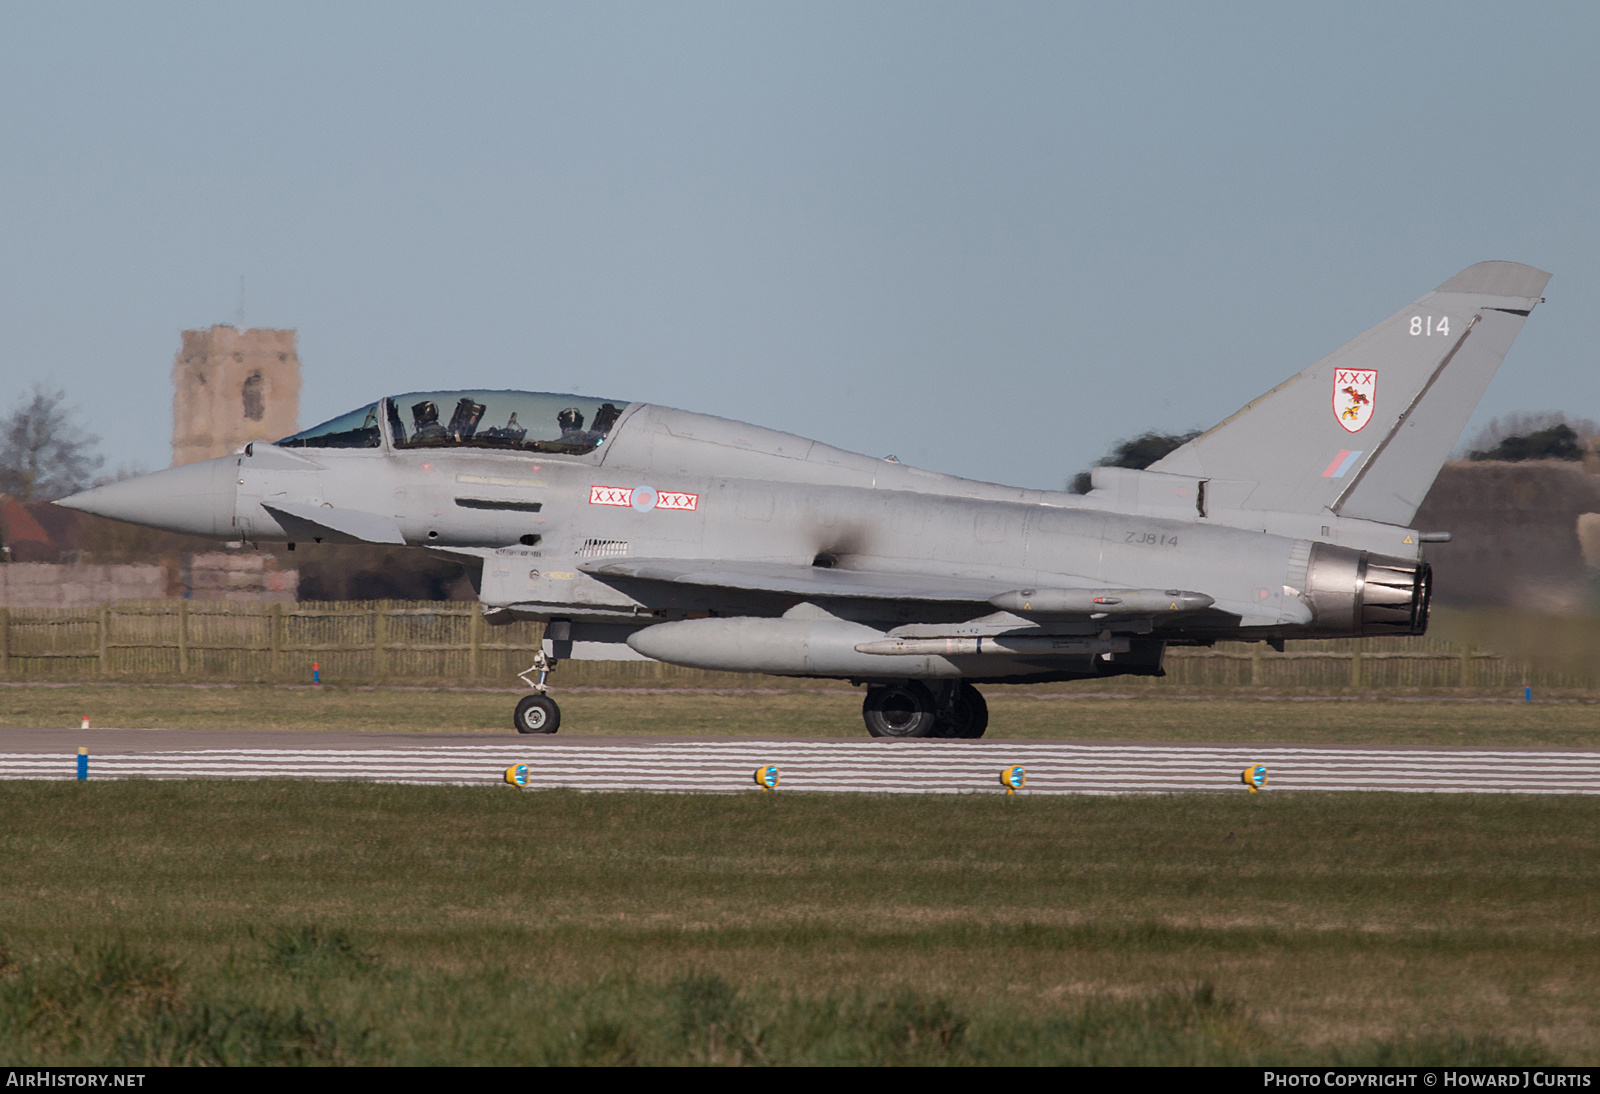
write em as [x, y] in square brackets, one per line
[879, 767]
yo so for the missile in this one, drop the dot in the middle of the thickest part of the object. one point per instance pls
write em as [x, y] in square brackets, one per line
[1014, 645]
[1100, 602]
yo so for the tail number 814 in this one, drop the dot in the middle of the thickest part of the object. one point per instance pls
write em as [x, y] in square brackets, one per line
[1421, 326]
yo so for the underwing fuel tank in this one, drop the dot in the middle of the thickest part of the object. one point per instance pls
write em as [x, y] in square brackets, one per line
[1356, 592]
[783, 647]
[837, 647]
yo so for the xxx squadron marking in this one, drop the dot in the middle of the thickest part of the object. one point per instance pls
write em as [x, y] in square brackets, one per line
[643, 498]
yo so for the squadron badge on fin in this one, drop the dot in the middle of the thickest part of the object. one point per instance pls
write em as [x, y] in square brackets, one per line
[1354, 390]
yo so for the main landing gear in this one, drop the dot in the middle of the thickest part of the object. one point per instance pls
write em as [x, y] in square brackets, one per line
[951, 709]
[537, 713]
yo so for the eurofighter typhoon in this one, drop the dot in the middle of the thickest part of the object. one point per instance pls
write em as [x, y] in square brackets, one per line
[640, 531]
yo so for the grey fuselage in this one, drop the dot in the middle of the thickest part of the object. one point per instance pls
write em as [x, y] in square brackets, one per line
[642, 531]
[764, 496]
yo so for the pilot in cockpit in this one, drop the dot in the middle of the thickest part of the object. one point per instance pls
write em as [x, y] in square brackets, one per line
[573, 433]
[425, 421]
[571, 422]
[605, 418]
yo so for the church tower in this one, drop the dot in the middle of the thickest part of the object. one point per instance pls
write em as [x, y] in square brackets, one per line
[231, 387]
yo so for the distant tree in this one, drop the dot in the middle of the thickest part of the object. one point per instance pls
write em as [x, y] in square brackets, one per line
[1137, 453]
[1559, 442]
[1516, 429]
[44, 453]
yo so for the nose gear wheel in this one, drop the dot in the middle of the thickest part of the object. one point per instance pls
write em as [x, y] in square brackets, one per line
[537, 714]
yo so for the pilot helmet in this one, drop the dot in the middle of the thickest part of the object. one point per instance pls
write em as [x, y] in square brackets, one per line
[570, 419]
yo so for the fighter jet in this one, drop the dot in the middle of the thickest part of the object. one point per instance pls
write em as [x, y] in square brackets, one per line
[639, 531]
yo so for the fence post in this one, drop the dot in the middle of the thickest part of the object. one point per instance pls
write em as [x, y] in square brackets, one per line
[104, 652]
[274, 638]
[475, 642]
[5, 641]
[380, 640]
[1355, 668]
[1466, 666]
[183, 637]
[1258, 668]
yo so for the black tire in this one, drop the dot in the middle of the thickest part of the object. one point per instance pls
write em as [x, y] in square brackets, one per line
[968, 715]
[537, 714]
[899, 710]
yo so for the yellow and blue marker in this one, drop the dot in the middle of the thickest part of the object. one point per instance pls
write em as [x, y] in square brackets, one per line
[767, 777]
[1014, 778]
[517, 774]
[1255, 777]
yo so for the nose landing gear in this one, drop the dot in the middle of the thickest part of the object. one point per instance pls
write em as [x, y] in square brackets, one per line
[537, 713]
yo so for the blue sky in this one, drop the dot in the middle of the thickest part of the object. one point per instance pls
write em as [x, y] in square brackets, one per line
[989, 238]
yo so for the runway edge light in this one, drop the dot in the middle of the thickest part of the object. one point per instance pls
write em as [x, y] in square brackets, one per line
[517, 774]
[1255, 777]
[767, 777]
[83, 764]
[1014, 778]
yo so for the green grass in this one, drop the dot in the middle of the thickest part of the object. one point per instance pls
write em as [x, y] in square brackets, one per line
[281, 922]
[1041, 712]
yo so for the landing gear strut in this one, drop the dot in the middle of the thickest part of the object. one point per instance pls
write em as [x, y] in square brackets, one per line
[962, 713]
[912, 709]
[537, 713]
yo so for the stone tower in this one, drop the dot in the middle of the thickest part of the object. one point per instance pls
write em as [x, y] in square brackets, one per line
[231, 387]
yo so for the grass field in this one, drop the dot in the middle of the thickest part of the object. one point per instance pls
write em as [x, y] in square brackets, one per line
[282, 922]
[825, 711]
[290, 922]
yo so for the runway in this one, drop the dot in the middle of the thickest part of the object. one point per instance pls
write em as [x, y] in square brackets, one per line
[727, 766]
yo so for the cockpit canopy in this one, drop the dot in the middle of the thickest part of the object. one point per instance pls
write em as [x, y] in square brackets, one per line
[518, 421]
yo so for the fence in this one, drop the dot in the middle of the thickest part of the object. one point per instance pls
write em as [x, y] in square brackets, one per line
[1258, 666]
[229, 640]
[394, 641]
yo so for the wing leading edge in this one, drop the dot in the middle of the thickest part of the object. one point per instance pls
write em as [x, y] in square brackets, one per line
[815, 582]
[803, 581]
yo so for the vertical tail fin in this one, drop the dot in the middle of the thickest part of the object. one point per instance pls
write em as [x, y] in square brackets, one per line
[1363, 432]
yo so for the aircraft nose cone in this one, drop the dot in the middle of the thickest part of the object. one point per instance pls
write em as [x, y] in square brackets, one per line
[195, 499]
